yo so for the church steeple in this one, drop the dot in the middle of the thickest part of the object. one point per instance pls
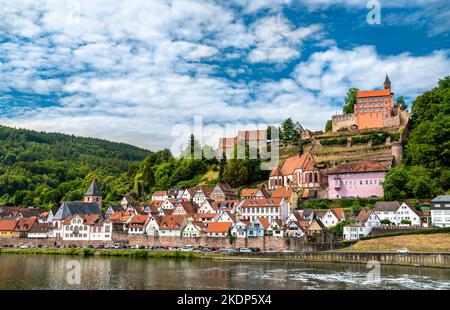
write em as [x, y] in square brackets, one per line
[387, 83]
[93, 194]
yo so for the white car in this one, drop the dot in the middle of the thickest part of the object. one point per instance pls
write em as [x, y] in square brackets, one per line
[24, 246]
[403, 250]
[186, 249]
[288, 251]
[245, 250]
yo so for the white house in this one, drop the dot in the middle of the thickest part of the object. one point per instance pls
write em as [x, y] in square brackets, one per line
[188, 194]
[138, 224]
[239, 229]
[206, 207]
[396, 213]
[168, 203]
[194, 229]
[218, 229]
[153, 225]
[440, 211]
[270, 209]
[226, 217]
[201, 195]
[328, 217]
[275, 229]
[172, 225]
[86, 227]
[366, 220]
[159, 196]
[295, 229]
[39, 230]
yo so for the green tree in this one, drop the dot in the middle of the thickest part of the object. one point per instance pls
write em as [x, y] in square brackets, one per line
[235, 173]
[394, 184]
[350, 100]
[401, 102]
[329, 126]
[288, 132]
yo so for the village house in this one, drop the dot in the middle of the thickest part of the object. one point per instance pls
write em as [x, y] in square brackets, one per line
[298, 172]
[272, 208]
[39, 231]
[218, 229]
[365, 221]
[223, 191]
[7, 228]
[184, 207]
[86, 227]
[24, 226]
[120, 220]
[315, 227]
[254, 193]
[201, 195]
[257, 227]
[227, 206]
[330, 217]
[226, 217]
[397, 214]
[440, 211]
[113, 209]
[195, 229]
[172, 225]
[160, 196]
[239, 229]
[359, 179]
[289, 195]
[153, 225]
[168, 203]
[204, 217]
[296, 229]
[275, 228]
[126, 201]
[206, 207]
[188, 194]
[138, 224]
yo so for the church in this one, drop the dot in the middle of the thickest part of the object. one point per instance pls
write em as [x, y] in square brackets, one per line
[297, 172]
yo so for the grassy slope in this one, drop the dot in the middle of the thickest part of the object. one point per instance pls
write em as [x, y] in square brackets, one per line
[414, 243]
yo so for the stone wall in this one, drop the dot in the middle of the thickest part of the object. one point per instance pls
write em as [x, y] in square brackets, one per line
[264, 243]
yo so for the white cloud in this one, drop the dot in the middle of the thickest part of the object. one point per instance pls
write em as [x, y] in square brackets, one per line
[277, 40]
[131, 70]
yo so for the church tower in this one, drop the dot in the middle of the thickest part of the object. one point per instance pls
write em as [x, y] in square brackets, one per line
[387, 83]
[93, 194]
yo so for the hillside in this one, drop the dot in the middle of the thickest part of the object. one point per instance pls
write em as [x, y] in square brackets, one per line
[414, 243]
[40, 169]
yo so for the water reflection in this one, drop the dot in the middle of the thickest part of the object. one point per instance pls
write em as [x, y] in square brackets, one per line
[49, 272]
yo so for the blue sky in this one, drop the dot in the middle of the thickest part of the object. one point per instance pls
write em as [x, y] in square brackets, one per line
[130, 71]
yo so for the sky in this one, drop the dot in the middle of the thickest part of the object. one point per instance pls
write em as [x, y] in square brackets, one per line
[141, 71]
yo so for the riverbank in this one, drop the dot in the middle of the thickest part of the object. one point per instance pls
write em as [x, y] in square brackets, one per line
[439, 260]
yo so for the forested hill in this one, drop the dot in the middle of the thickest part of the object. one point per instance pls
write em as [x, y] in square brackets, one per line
[40, 169]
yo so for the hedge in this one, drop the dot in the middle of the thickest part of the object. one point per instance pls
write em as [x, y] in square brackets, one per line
[335, 141]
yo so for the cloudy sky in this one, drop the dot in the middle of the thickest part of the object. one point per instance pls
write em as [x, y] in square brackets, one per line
[129, 71]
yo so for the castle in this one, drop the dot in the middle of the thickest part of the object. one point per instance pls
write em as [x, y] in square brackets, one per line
[373, 109]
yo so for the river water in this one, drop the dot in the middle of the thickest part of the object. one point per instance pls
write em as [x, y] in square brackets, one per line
[52, 272]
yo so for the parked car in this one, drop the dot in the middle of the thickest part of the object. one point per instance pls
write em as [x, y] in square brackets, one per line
[206, 250]
[117, 246]
[245, 250]
[95, 246]
[270, 250]
[186, 249]
[171, 248]
[24, 246]
[288, 251]
[255, 249]
[234, 250]
[403, 250]
[224, 250]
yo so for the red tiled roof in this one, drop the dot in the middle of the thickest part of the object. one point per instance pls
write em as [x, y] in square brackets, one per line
[373, 93]
[219, 227]
[305, 162]
[249, 192]
[282, 192]
[264, 222]
[358, 167]
[363, 215]
[7, 225]
[159, 193]
[339, 212]
[172, 222]
[270, 202]
[25, 224]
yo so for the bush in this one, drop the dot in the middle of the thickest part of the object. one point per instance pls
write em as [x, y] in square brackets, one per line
[427, 231]
[334, 141]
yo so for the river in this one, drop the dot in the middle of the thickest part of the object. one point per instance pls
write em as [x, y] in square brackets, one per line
[51, 272]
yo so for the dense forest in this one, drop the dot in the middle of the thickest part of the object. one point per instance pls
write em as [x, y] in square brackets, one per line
[425, 171]
[41, 169]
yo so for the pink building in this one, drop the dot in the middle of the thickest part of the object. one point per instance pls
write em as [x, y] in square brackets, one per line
[359, 179]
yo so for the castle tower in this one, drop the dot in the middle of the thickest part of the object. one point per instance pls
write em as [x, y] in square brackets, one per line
[397, 153]
[387, 83]
[93, 194]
